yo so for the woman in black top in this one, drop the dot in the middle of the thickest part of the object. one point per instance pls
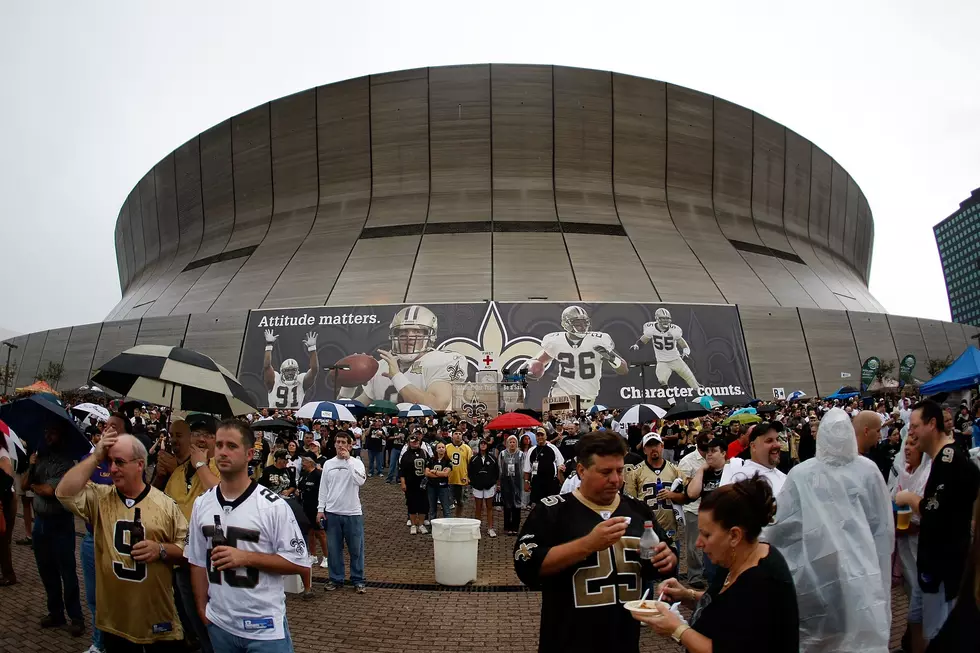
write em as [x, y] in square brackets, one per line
[752, 607]
[484, 472]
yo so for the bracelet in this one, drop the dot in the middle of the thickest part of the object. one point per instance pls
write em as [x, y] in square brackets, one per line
[400, 381]
[694, 595]
[311, 348]
[268, 347]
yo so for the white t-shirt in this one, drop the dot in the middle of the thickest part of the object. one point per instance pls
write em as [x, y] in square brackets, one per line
[737, 469]
[246, 602]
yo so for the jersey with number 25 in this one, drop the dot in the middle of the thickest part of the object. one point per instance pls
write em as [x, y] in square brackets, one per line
[590, 593]
[246, 602]
[664, 342]
[133, 599]
[579, 365]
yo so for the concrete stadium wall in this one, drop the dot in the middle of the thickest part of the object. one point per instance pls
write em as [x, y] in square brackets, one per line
[795, 349]
[476, 182]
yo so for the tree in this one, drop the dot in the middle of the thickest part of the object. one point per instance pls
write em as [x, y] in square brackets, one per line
[8, 375]
[52, 373]
[885, 370]
[937, 365]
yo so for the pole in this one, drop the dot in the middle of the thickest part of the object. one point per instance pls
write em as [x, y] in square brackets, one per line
[6, 371]
[336, 370]
[643, 383]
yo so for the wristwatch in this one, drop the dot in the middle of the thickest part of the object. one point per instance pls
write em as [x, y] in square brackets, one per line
[163, 553]
[679, 632]
[199, 465]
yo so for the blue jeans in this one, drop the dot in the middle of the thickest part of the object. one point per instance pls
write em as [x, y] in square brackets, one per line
[444, 496]
[88, 574]
[376, 462]
[225, 642]
[343, 529]
[394, 473]
[54, 553]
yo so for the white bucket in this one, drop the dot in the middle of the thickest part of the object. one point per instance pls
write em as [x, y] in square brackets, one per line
[293, 584]
[456, 543]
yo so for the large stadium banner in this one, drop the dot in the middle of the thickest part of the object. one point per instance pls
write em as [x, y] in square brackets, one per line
[447, 355]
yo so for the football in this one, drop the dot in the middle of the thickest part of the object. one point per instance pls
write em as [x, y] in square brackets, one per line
[362, 369]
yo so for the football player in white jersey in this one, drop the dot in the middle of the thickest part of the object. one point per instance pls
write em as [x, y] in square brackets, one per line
[413, 370]
[243, 539]
[580, 353]
[670, 348]
[288, 387]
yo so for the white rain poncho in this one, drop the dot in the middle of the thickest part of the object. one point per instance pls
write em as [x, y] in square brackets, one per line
[834, 527]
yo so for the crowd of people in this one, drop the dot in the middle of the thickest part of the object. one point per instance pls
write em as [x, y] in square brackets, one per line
[807, 513]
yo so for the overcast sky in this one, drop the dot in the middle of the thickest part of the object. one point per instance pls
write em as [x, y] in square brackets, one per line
[93, 94]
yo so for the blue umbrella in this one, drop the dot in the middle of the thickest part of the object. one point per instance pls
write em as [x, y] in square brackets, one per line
[353, 405]
[596, 408]
[416, 410]
[325, 410]
[751, 411]
[32, 416]
[796, 394]
[709, 402]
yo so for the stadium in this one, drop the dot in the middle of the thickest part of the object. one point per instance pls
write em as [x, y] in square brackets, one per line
[494, 198]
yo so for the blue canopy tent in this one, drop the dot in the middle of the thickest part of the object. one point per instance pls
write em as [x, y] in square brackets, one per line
[962, 373]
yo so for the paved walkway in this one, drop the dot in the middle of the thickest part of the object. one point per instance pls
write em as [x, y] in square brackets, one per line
[399, 612]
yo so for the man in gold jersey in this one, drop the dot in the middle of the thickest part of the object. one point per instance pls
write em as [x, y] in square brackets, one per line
[134, 588]
[196, 472]
[641, 482]
[460, 454]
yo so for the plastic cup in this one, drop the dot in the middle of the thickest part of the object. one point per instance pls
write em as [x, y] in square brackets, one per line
[904, 517]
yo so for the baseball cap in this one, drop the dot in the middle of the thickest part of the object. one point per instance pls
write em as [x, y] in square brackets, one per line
[315, 444]
[202, 422]
[652, 437]
[541, 429]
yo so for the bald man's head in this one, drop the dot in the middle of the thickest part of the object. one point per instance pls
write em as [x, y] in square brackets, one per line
[867, 429]
[127, 460]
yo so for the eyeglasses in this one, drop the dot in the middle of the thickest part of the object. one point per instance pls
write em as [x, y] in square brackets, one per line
[119, 462]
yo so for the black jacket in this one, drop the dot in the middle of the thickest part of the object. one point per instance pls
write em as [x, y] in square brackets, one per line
[484, 472]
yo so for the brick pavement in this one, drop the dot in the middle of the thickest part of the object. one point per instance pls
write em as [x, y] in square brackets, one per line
[383, 620]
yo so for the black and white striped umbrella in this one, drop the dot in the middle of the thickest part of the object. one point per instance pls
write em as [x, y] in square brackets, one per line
[642, 414]
[177, 377]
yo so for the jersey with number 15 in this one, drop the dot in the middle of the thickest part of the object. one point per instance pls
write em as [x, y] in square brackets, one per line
[580, 366]
[246, 602]
[133, 599]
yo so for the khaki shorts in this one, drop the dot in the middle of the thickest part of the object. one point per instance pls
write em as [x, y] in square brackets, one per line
[17, 487]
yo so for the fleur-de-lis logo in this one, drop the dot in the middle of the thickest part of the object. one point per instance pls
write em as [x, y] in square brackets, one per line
[524, 551]
[493, 337]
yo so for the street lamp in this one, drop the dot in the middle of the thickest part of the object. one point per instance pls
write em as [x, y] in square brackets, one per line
[335, 369]
[6, 371]
[643, 379]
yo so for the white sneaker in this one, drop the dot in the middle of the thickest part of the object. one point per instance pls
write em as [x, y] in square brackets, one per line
[491, 532]
[425, 522]
[323, 563]
[93, 649]
[408, 523]
[423, 530]
[415, 530]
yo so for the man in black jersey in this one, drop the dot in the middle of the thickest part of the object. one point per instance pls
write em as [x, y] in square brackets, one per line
[582, 550]
[946, 509]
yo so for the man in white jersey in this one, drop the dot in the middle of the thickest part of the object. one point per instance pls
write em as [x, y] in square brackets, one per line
[413, 370]
[580, 353]
[288, 387]
[669, 347]
[238, 585]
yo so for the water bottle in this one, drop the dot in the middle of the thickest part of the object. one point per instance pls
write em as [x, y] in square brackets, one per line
[660, 486]
[648, 542]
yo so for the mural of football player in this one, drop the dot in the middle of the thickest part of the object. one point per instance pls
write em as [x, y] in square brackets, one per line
[288, 387]
[580, 353]
[412, 369]
[669, 347]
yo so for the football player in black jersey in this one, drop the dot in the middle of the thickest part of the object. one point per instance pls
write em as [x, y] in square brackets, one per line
[582, 551]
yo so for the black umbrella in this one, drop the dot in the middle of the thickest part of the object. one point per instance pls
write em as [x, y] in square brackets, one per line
[273, 425]
[32, 416]
[766, 408]
[686, 410]
[530, 412]
[173, 376]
